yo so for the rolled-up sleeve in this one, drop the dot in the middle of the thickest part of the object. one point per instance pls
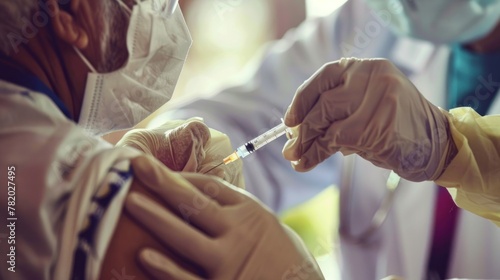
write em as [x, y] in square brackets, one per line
[67, 185]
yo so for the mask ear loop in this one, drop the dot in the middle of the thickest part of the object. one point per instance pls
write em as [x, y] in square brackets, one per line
[123, 5]
[84, 59]
[172, 5]
[165, 8]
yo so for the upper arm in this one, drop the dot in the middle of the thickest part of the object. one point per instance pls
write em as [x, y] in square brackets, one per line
[128, 239]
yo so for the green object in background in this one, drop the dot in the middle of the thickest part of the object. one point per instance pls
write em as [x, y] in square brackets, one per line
[315, 221]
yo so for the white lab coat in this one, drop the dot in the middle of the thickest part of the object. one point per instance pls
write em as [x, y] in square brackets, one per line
[401, 245]
[59, 171]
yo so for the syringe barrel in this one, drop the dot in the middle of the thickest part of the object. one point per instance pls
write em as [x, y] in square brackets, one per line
[268, 136]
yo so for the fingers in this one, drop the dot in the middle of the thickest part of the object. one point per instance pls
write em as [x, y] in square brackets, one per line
[291, 151]
[216, 188]
[138, 139]
[309, 147]
[308, 94]
[216, 149]
[315, 155]
[198, 129]
[161, 267]
[184, 145]
[178, 193]
[305, 156]
[334, 94]
[306, 136]
[170, 229]
[319, 107]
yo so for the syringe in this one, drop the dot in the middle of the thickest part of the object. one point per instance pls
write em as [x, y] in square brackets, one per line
[254, 144]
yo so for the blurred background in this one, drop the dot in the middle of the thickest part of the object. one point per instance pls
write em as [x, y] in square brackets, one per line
[228, 39]
[229, 35]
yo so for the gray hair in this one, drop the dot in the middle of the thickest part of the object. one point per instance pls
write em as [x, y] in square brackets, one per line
[111, 39]
[20, 20]
[12, 15]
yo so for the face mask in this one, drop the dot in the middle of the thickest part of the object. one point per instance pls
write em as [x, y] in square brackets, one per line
[157, 46]
[440, 21]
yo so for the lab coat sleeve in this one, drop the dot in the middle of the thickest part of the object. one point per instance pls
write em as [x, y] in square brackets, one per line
[245, 111]
[59, 175]
[473, 176]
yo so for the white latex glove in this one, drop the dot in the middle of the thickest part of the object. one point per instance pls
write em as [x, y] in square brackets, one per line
[187, 146]
[228, 234]
[367, 107]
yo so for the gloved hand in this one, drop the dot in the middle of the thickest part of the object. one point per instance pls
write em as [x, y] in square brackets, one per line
[229, 234]
[367, 107]
[187, 146]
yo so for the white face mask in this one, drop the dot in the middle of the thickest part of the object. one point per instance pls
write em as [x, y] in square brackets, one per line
[441, 21]
[157, 47]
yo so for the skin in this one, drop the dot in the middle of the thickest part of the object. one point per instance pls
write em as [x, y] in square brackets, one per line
[122, 253]
[488, 44]
[49, 55]
[79, 27]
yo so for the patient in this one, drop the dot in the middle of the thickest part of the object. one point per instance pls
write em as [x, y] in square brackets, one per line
[68, 76]
[70, 72]
[188, 146]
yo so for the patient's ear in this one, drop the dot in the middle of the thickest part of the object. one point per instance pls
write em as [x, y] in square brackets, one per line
[66, 27]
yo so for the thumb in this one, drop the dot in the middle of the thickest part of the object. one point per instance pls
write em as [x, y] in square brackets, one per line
[185, 145]
[308, 94]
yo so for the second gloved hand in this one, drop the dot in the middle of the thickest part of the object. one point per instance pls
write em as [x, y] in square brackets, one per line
[223, 230]
[187, 146]
[367, 107]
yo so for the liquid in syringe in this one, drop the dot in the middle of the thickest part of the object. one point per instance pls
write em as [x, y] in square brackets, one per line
[256, 143]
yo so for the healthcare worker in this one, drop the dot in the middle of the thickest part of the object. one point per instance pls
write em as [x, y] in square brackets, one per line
[343, 108]
[71, 71]
[451, 58]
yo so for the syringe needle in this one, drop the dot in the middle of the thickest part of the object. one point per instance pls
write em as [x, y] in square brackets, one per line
[214, 167]
[254, 144]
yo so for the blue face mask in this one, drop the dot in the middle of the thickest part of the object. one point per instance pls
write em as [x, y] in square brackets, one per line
[440, 21]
